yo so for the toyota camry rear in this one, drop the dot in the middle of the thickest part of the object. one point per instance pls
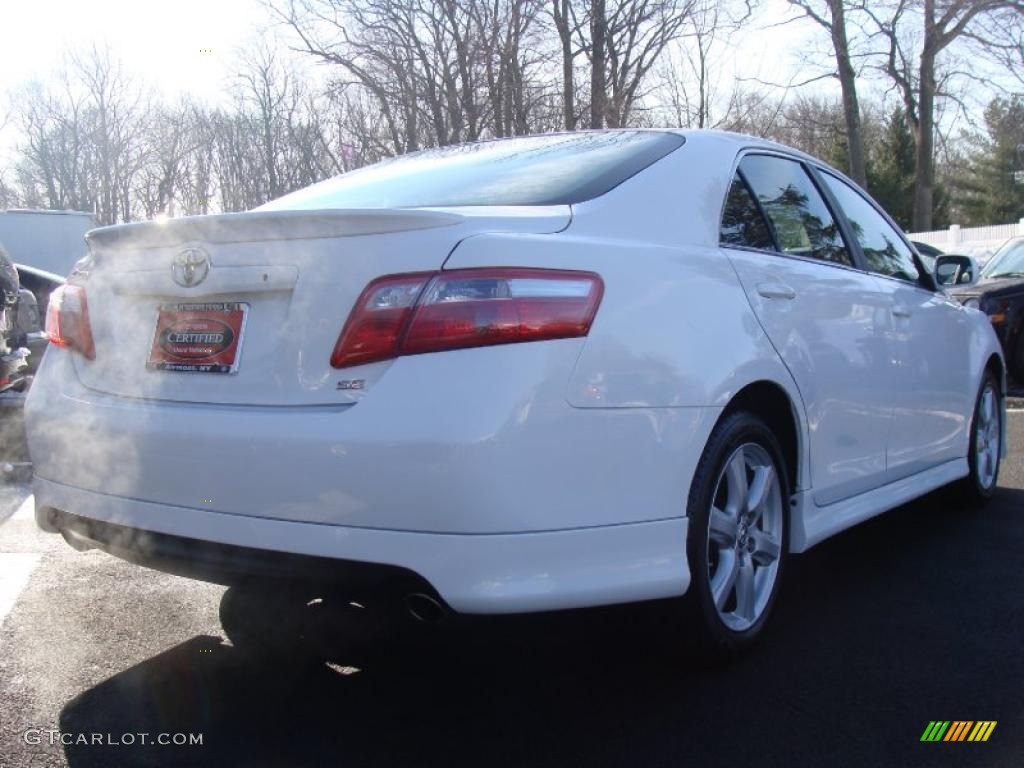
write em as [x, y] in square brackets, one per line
[522, 375]
[372, 371]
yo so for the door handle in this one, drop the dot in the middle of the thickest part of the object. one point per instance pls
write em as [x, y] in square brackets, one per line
[900, 311]
[775, 290]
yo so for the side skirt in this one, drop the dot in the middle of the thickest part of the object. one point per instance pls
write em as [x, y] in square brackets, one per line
[811, 524]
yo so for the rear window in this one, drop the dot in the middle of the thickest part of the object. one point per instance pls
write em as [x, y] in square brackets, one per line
[536, 170]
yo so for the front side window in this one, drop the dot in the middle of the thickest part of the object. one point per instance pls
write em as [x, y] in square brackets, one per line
[743, 226]
[885, 251]
[798, 214]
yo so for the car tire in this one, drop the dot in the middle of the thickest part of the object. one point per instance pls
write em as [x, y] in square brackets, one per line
[738, 509]
[986, 433]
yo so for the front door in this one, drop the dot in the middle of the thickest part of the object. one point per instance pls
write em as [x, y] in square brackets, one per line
[928, 334]
[826, 318]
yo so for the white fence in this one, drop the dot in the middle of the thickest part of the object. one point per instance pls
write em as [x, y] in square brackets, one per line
[973, 240]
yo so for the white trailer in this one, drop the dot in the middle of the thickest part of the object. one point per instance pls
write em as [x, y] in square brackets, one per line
[49, 240]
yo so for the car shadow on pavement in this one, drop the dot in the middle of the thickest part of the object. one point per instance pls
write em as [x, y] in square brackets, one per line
[912, 617]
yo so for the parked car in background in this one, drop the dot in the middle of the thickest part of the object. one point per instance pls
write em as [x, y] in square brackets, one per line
[999, 293]
[23, 341]
[12, 359]
[40, 282]
[41, 247]
[22, 337]
[529, 374]
[22, 344]
[981, 254]
[36, 285]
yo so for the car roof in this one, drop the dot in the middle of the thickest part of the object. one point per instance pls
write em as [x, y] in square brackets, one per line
[52, 277]
[693, 136]
[722, 139]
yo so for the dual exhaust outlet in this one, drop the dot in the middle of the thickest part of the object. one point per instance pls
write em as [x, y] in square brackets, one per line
[419, 605]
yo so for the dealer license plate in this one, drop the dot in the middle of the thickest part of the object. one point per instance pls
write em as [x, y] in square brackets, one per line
[198, 338]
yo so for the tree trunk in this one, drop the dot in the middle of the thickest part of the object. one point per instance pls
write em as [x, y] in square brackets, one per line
[924, 167]
[561, 15]
[848, 83]
[598, 33]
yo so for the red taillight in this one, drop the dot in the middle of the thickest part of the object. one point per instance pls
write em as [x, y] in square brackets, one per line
[378, 320]
[67, 320]
[413, 314]
[480, 307]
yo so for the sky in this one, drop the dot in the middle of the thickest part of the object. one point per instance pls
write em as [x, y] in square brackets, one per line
[189, 45]
[192, 46]
[186, 45]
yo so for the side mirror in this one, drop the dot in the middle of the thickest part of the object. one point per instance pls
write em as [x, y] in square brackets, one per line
[954, 270]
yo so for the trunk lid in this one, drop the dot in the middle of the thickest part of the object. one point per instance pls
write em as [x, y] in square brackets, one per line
[285, 281]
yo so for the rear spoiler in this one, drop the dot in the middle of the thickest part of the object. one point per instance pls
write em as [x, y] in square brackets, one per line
[268, 225]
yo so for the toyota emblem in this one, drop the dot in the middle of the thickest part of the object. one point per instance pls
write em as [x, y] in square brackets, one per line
[190, 266]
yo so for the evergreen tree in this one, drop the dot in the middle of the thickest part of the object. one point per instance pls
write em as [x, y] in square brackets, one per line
[891, 169]
[989, 193]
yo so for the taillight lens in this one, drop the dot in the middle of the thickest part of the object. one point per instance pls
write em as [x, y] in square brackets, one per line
[67, 320]
[378, 320]
[413, 314]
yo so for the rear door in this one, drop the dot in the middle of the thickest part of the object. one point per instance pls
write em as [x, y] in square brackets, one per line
[929, 335]
[826, 318]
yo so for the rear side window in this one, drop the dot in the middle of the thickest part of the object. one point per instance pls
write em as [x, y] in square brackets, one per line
[799, 216]
[558, 169]
[743, 226]
[885, 251]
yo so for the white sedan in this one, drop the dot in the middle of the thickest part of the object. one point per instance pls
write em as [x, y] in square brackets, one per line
[521, 375]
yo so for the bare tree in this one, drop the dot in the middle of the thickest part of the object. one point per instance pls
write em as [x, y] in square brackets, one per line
[194, 193]
[693, 72]
[118, 107]
[599, 55]
[441, 71]
[567, 26]
[172, 136]
[831, 15]
[626, 39]
[9, 196]
[915, 35]
[82, 137]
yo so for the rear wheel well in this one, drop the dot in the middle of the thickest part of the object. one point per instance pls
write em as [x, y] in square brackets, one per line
[770, 402]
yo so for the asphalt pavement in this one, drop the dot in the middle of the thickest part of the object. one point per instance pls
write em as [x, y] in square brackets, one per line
[915, 616]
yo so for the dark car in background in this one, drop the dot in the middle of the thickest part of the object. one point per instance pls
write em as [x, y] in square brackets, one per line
[36, 287]
[12, 358]
[999, 293]
[24, 296]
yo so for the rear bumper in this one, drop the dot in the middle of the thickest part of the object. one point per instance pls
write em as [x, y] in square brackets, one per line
[469, 442]
[472, 573]
[229, 564]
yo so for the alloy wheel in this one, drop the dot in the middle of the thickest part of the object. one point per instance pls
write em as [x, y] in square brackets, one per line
[987, 437]
[744, 543]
